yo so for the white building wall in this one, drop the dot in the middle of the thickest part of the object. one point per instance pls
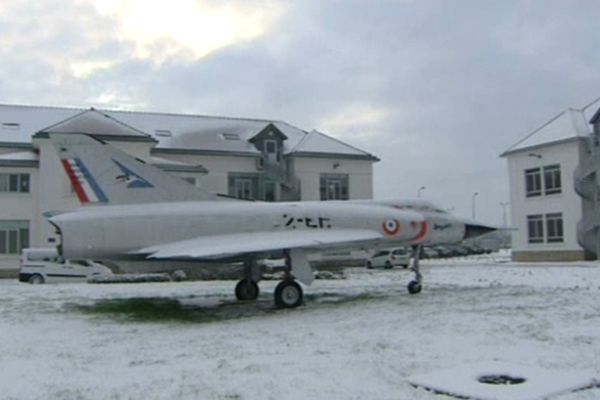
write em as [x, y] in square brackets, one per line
[219, 167]
[567, 202]
[309, 169]
[20, 206]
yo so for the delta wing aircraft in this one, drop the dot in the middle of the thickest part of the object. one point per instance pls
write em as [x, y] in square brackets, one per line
[133, 211]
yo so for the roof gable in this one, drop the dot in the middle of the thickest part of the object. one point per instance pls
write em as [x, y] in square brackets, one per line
[94, 122]
[268, 132]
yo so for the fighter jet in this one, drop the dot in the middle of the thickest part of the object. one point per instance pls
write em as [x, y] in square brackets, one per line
[133, 211]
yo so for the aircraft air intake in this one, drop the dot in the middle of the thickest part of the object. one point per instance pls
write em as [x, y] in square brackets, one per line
[474, 230]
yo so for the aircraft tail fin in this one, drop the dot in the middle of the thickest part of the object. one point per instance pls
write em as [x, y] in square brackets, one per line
[102, 174]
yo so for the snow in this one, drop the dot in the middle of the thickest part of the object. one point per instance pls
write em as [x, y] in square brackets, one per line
[196, 132]
[569, 124]
[21, 156]
[356, 338]
[539, 383]
[317, 142]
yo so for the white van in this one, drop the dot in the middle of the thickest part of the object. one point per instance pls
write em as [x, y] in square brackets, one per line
[46, 266]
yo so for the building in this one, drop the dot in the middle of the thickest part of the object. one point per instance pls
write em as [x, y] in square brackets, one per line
[587, 185]
[545, 207]
[245, 158]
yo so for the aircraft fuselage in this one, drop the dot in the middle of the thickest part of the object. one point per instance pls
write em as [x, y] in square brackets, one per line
[117, 232]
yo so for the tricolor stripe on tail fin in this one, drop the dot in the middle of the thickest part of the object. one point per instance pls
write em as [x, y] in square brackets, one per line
[102, 174]
[84, 184]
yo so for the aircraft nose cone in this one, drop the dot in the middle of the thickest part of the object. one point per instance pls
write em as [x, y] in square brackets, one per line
[474, 230]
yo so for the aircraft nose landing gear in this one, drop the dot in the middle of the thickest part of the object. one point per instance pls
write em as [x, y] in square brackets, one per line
[415, 286]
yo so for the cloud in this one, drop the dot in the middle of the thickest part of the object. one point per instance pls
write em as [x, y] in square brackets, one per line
[187, 29]
[436, 89]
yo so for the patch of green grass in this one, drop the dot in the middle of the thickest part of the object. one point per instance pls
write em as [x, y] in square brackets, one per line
[151, 310]
[170, 310]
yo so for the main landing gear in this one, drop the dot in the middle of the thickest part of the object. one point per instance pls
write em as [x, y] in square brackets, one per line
[288, 292]
[247, 288]
[415, 286]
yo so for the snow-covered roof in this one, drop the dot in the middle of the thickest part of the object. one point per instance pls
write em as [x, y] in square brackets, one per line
[95, 122]
[173, 131]
[172, 165]
[318, 142]
[19, 158]
[569, 124]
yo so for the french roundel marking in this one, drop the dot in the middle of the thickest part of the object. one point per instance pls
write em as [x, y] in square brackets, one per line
[391, 227]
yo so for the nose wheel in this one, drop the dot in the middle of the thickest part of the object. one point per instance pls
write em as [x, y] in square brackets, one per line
[414, 287]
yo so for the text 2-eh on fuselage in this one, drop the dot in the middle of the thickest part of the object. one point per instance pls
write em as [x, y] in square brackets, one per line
[135, 211]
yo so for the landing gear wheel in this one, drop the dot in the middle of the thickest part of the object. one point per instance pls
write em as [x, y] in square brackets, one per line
[288, 294]
[36, 279]
[414, 287]
[246, 289]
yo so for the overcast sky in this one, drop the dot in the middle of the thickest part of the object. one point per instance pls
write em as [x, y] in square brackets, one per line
[435, 89]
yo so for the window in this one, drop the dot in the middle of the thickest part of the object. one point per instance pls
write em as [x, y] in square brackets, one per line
[381, 253]
[535, 228]
[230, 136]
[163, 133]
[533, 182]
[243, 188]
[552, 183]
[11, 126]
[334, 187]
[14, 236]
[252, 186]
[554, 228]
[270, 191]
[189, 179]
[270, 150]
[14, 183]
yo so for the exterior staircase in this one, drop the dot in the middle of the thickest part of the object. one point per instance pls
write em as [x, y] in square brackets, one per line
[587, 185]
[280, 172]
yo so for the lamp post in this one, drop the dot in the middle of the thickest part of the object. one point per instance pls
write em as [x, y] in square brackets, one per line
[473, 204]
[419, 191]
[503, 204]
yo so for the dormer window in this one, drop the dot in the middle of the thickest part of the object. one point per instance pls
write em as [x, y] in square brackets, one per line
[271, 151]
[163, 133]
[230, 136]
[11, 126]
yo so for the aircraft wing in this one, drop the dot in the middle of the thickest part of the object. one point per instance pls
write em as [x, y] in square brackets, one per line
[222, 246]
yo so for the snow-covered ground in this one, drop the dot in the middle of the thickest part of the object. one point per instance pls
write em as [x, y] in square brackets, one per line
[358, 338]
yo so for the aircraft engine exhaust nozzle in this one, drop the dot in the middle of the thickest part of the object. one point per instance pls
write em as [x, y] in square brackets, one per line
[474, 230]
